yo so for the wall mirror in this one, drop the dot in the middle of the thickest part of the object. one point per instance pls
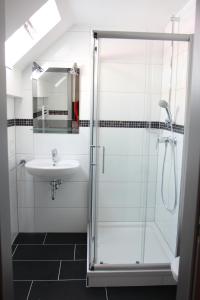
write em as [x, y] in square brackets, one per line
[55, 99]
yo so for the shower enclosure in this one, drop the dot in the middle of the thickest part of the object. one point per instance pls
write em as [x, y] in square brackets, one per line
[140, 90]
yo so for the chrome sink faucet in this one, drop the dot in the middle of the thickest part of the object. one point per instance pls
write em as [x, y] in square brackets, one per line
[54, 155]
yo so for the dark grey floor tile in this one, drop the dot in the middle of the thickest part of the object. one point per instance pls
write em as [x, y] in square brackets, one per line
[44, 252]
[13, 248]
[66, 238]
[21, 289]
[73, 270]
[81, 252]
[70, 290]
[29, 238]
[142, 293]
[35, 270]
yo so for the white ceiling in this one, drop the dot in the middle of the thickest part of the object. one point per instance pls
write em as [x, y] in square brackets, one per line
[138, 15]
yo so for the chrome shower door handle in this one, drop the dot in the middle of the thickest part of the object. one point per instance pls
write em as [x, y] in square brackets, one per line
[91, 155]
[103, 159]
[92, 147]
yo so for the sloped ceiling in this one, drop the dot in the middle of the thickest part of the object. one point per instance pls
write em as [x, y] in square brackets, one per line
[138, 15]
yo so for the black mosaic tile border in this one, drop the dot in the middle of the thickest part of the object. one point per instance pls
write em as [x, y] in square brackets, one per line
[23, 122]
[109, 123]
[129, 124]
[37, 114]
[51, 112]
[84, 123]
[10, 122]
[58, 112]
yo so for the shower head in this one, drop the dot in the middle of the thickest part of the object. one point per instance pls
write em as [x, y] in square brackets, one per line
[164, 104]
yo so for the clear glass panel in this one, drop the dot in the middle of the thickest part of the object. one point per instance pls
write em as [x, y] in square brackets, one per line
[166, 190]
[121, 168]
[132, 224]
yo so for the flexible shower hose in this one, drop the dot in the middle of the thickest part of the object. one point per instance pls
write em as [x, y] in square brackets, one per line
[173, 208]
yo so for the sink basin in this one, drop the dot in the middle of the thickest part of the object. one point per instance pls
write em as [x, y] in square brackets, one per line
[44, 168]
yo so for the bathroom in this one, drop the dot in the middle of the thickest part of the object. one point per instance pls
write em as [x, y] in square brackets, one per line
[99, 107]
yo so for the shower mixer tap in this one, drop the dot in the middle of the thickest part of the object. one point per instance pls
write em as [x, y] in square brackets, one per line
[167, 139]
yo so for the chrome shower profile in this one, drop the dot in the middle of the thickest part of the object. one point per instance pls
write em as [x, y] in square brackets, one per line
[164, 104]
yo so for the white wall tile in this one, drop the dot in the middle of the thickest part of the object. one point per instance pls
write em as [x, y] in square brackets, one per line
[122, 141]
[24, 139]
[121, 106]
[182, 70]
[116, 194]
[121, 168]
[155, 52]
[152, 110]
[85, 102]
[154, 80]
[26, 193]
[11, 141]
[181, 98]
[10, 107]
[150, 143]
[120, 77]
[61, 219]
[26, 219]
[149, 194]
[124, 214]
[122, 51]
[72, 144]
[150, 168]
[24, 106]
[116, 214]
[69, 194]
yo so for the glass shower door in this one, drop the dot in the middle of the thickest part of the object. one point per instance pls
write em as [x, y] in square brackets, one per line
[130, 224]
[121, 149]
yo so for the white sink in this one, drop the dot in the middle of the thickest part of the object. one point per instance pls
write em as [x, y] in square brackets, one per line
[44, 168]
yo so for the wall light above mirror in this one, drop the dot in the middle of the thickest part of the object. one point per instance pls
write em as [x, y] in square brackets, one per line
[55, 99]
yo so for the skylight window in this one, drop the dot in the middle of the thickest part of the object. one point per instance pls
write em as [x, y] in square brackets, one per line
[24, 38]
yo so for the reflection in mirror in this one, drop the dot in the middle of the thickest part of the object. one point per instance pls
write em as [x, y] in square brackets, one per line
[55, 99]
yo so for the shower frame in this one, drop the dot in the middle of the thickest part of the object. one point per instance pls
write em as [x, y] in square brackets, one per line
[124, 274]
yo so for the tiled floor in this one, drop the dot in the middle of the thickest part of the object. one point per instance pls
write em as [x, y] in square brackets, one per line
[52, 266]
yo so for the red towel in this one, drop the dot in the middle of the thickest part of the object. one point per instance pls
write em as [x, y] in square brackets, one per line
[76, 110]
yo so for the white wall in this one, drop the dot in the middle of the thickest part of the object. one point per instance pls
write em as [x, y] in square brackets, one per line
[37, 212]
[166, 221]
[13, 82]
